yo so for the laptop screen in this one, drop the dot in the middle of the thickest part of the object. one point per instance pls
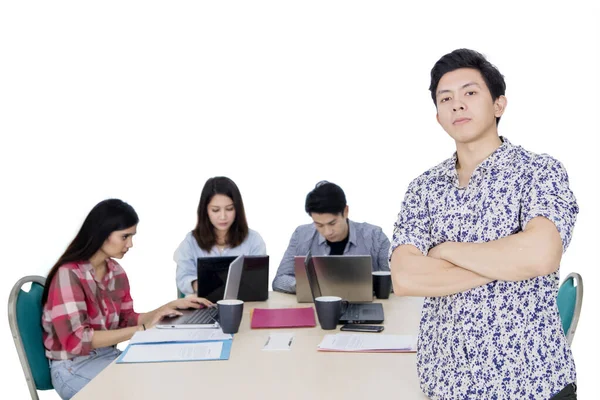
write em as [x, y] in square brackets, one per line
[234, 277]
[213, 273]
[311, 275]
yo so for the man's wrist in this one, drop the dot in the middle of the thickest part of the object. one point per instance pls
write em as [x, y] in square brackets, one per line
[446, 251]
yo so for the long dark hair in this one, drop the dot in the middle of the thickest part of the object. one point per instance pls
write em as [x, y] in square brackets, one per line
[105, 218]
[204, 232]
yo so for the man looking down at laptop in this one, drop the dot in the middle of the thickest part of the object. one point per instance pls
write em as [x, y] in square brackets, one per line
[482, 236]
[331, 233]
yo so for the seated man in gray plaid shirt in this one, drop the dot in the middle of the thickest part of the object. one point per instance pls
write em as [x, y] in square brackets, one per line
[331, 233]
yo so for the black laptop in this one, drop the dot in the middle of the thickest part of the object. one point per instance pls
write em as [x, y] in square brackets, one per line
[212, 275]
[208, 317]
[355, 313]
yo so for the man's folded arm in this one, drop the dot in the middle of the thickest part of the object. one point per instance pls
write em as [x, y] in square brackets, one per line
[414, 274]
[536, 251]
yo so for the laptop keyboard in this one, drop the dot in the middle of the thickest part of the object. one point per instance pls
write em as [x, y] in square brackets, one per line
[204, 316]
[352, 311]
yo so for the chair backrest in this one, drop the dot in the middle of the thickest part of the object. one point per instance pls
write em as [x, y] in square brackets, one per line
[25, 319]
[570, 297]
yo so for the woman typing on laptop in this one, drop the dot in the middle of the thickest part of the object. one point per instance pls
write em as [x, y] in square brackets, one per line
[221, 230]
[87, 305]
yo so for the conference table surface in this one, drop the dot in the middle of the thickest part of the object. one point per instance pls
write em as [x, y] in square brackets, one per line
[300, 373]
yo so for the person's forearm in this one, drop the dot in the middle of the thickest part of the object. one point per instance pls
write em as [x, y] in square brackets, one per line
[418, 275]
[513, 258]
[114, 336]
[285, 284]
[146, 318]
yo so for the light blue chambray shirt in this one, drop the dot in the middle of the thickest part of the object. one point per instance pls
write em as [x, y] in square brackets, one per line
[187, 254]
[363, 240]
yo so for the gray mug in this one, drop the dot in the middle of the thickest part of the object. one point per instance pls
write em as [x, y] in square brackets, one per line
[230, 315]
[329, 310]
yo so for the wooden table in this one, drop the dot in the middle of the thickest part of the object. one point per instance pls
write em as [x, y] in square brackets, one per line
[301, 373]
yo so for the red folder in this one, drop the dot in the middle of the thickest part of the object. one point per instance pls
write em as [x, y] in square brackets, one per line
[283, 317]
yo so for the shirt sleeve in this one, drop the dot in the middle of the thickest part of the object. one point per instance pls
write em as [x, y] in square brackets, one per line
[68, 313]
[550, 196]
[285, 279]
[414, 224]
[380, 252]
[258, 247]
[187, 269]
[127, 317]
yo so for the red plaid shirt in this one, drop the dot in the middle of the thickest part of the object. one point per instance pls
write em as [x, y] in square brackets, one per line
[77, 305]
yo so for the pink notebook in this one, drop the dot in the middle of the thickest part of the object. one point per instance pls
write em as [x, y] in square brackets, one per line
[283, 317]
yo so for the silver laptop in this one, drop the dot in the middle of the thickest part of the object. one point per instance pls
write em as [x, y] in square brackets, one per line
[348, 277]
[208, 317]
[353, 313]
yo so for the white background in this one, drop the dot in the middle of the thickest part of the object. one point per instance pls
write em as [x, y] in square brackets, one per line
[144, 101]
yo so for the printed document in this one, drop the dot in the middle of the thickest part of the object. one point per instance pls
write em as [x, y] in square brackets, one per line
[368, 342]
[173, 352]
[155, 335]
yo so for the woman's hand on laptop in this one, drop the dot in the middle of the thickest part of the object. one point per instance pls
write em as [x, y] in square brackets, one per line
[164, 311]
[190, 301]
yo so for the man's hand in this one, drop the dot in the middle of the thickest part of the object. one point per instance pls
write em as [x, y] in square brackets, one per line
[436, 252]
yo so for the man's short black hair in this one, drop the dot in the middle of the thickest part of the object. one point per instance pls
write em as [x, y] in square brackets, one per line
[325, 198]
[465, 58]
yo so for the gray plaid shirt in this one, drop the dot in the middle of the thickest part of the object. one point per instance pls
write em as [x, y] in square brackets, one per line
[363, 240]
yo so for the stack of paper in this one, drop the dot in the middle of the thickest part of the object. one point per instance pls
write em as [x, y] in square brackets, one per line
[369, 343]
[178, 335]
[171, 345]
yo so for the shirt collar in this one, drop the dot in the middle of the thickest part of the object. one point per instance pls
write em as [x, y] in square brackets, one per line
[501, 158]
[86, 267]
[351, 234]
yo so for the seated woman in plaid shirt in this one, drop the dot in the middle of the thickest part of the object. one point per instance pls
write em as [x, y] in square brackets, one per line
[87, 305]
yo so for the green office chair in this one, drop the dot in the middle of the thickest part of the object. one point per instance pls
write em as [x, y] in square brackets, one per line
[570, 296]
[25, 319]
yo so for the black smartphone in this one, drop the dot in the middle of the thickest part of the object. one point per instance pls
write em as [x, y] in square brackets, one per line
[361, 328]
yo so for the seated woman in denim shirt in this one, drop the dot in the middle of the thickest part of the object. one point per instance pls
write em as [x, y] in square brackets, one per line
[221, 230]
[87, 303]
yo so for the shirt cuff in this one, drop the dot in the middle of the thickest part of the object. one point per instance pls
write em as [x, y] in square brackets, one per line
[135, 319]
[86, 341]
[187, 285]
[558, 220]
[399, 241]
[285, 283]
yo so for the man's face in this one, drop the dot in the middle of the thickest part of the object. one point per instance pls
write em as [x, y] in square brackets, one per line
[464, 106]
[333, 227]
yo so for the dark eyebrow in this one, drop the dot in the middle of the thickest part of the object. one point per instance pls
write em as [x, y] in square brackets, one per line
[228, 205]
[462, 87]
[326, 223]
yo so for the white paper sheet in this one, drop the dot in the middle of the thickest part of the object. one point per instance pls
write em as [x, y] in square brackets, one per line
[173, 352]
[279, 341]
[368, 341]
[155, 335]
